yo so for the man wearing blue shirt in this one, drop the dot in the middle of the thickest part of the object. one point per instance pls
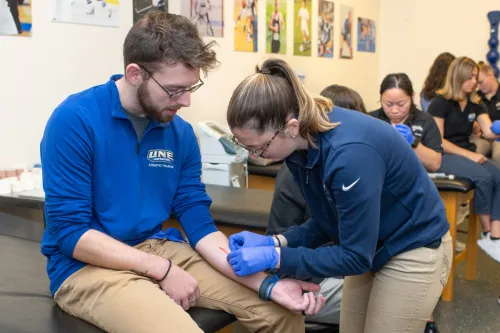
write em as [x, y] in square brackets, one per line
[117, 161]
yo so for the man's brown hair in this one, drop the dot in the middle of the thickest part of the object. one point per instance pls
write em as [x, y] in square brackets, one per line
[164, 38]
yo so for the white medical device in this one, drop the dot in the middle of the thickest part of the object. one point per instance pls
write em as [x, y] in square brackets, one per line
[223, 161]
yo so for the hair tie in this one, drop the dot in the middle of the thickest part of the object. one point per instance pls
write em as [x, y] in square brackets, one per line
[265, 71]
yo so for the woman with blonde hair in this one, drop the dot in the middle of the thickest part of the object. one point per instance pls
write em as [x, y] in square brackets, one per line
[368, 196]
[455, 109]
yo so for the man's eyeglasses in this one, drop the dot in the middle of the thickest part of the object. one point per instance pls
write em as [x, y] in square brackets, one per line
[260, 151]
[174, 94]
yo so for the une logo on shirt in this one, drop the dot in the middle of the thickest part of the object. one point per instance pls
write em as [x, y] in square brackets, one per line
[160, 157]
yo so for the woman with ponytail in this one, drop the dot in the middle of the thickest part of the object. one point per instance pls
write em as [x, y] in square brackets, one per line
[376, 217]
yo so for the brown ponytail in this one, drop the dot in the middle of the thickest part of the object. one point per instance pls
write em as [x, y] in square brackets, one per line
[266, 99]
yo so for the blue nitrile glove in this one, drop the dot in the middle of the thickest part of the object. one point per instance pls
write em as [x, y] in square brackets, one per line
[406, 132]
[253, 260]
[495, 127]
[249, 239]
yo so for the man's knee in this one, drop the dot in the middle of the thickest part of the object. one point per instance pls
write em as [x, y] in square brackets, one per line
[282, 320]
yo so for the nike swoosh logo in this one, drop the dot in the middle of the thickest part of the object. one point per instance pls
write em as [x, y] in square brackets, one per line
[344, 188]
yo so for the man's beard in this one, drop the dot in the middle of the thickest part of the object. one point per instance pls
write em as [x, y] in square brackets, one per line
[151, 112]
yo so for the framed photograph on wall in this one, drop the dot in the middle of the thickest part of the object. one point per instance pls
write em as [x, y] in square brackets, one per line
[207, 15]
[367, 34]
[93, 12]
[276, 26]
[346, 15]
[15, 17]
[326, 13]
[141, 7]
[245, 25]
[302, 28]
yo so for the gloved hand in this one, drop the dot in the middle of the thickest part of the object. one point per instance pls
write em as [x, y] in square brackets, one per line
[252, 260]
[246, 239]
[406, 132]
[495, 127]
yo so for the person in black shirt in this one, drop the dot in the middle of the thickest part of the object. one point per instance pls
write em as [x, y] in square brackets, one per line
[289, 208]
[489, 91]
[455, 109]
[417, 127]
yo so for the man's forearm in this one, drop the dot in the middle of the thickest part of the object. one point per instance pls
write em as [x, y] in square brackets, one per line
[98, 249]
[208, 248]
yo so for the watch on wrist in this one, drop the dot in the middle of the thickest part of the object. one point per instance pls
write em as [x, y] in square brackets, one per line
[415, 142]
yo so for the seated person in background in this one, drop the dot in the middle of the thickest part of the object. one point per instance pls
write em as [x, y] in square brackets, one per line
[455, 109]
[289, 208]
[489, 91]
[108, 260]
[435, 80]
[417, 127]
[344, 97]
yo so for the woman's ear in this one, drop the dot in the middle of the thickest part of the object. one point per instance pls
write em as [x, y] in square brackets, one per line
[292, 128]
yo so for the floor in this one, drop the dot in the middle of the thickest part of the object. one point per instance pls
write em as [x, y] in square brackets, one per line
[474, 308]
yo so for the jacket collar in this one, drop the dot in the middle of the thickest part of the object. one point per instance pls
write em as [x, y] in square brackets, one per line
[308, 158]
[117, 108]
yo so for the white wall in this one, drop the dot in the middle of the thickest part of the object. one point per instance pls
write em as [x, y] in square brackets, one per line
[415, 32]
[60, 59]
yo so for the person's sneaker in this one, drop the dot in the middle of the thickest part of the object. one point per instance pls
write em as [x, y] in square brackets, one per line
[431, 327]
[491, 247]
[459, 246]
[485, 236]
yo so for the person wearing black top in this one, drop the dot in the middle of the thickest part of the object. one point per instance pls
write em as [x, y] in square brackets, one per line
[489, 91]
[289, 208]
[455, 109]
[417, 127]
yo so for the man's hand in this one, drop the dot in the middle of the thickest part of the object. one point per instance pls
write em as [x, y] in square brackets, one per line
[478, 158]
[246, 239]
[252, 260]
[289, 294]
[180, 286]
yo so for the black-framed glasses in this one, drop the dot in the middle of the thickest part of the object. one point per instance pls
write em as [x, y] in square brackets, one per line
[259, 152]
[174, 94]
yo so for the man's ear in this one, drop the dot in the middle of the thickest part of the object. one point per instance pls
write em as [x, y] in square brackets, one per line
[133, 74]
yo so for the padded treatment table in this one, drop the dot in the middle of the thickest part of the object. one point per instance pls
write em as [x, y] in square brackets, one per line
[25, 302]
[246, 208]
[263, 177]
[266, 171]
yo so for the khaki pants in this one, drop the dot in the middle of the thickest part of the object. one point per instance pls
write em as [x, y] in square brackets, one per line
[124, 302]
[401, 296]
